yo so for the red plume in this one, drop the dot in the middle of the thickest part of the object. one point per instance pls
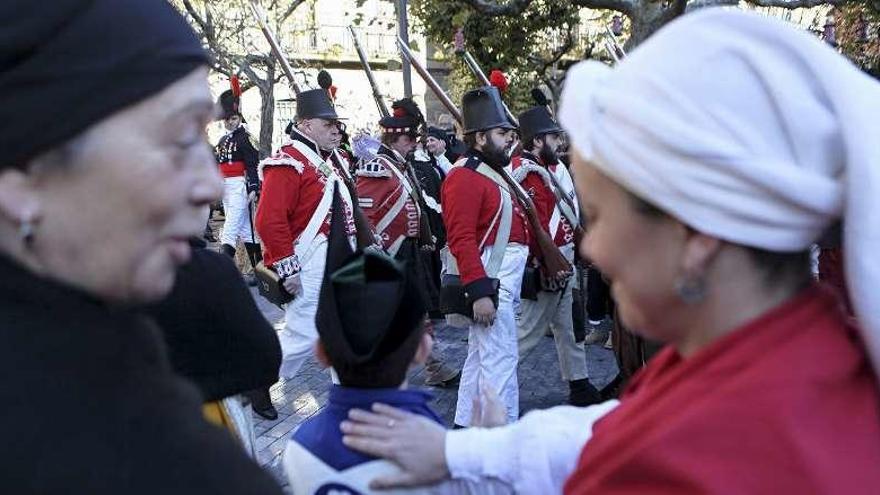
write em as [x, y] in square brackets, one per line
[332, 91]
[399, 112]
[236, 86]
[498, 79]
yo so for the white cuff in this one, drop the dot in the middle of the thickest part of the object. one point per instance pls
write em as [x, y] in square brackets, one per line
[288, 266]
[477, 453]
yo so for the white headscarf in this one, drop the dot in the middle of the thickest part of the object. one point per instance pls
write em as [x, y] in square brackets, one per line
[745, 129]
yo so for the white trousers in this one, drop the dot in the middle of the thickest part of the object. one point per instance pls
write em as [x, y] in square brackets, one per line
[235, 206]
[492, 351]
[553, 309]
[299, 334]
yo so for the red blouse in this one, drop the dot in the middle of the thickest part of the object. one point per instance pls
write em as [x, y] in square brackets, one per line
[787, 404]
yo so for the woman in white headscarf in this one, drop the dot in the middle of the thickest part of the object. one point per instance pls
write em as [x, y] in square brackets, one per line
[708, 162]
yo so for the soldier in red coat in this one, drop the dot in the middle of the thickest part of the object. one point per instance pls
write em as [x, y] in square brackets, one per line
[293, 218]
[552, 190]
[481, 217]
[391, 196]
[387, 190]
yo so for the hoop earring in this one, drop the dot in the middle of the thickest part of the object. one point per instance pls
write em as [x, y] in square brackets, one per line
[26, 232]
[691, 289]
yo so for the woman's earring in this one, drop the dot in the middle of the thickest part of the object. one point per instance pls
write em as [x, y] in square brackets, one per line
[691, 289]
[26, 232]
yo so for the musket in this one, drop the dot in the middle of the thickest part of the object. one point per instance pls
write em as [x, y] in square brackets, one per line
[552, 260]
[273, 45]
[429, 80]
[613, 47]
[609, 47]
[380, 103]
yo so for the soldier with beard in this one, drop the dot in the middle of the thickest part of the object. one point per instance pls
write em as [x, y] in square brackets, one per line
[482, 219]
[552, 190]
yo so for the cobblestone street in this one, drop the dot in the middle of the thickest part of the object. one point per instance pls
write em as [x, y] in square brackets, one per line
[300, 398]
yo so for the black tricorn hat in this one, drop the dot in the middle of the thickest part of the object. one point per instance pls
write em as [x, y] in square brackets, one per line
[405, 119]
[370, 312]
[482, 110]
[536, 121]
[314, 104]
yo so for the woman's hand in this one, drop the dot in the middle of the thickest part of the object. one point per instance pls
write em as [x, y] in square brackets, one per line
[415, 443]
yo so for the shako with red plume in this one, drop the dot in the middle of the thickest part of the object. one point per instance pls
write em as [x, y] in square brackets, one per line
[406, 118]
[230, 100]
[325, 81]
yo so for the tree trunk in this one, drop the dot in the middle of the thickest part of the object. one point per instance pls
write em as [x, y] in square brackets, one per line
[267, 112]
[648, 18]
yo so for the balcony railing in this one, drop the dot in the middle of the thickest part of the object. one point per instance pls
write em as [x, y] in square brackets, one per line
[335, 41]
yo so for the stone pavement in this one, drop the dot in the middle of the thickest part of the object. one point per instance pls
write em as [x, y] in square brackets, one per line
[303, 396]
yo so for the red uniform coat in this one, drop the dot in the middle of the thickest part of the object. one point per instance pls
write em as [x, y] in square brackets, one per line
[470, 202]
[544, 199]
[379, 189]
[292, 188]
[786, 404]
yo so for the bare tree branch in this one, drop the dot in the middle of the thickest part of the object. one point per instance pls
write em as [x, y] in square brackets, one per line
[785, 4]
[558, 53]
[628, 7]
[187, 4]
[794, 4]
[287, 13]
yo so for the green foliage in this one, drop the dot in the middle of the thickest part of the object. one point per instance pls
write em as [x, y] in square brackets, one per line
[523, 46]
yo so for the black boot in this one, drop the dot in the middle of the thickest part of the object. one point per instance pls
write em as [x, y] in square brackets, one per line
[227, 250]
[582, 393]
[262, 403]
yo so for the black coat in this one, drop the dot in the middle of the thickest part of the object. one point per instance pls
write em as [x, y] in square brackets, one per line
[215, 334]
[237, 147]
[90, 404]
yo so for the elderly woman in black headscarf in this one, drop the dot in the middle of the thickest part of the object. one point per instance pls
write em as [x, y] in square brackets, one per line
[104, 176]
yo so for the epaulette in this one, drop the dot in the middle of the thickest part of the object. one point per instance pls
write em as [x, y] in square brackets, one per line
[527, 166]
[279, 159]
[374, 168]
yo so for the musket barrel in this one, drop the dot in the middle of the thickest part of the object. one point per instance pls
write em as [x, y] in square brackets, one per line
[273, 45]
[377, 95]
[429, 80]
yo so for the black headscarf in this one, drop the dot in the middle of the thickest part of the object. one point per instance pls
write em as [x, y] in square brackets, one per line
[68, 64]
